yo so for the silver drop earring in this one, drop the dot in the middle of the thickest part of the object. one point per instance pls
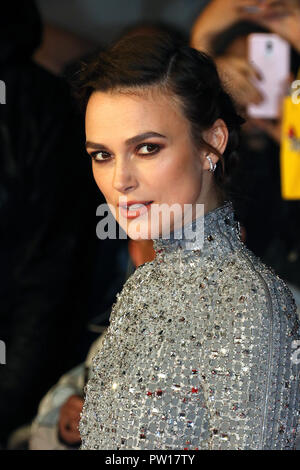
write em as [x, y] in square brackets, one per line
[212, 165]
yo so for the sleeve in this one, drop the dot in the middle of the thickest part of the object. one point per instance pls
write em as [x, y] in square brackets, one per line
[251, 381]
[44, 428]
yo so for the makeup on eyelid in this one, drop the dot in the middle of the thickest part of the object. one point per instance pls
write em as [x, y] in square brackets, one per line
[148, 144]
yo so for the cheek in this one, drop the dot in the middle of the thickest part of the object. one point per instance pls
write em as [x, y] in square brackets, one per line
[170, 168]
[179, 176]
[102, 180]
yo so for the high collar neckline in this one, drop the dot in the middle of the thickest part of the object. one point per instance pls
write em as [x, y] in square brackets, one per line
[218, 224]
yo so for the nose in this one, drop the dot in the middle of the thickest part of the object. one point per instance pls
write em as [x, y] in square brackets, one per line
[123, 178]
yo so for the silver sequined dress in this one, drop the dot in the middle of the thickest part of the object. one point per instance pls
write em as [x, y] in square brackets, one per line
[202, 352]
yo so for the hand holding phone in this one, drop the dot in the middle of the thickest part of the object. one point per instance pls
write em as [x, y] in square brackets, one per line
[270, 55]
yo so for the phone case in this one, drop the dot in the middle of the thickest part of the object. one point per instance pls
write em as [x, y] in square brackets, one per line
[270, 55]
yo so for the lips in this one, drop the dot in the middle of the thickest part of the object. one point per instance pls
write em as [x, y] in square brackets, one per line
[134, 209]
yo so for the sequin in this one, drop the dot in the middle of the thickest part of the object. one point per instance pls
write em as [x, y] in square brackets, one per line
[205, 337]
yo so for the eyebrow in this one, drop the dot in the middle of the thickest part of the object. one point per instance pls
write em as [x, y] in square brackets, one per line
[130, 141]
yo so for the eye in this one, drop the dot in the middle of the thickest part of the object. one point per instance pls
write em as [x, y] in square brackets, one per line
[154, 148]
[149, 149]
[100, 156]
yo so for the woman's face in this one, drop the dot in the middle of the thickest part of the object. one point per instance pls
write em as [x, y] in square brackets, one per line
[142, 152]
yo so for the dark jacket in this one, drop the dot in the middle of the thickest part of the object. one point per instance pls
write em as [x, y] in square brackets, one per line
[47, 223]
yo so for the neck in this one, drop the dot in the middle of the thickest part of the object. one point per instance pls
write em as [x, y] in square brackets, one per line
[211, 196]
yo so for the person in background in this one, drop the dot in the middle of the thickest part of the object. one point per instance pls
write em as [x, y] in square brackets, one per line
[280, 16]
[47, 214]
[273, 235]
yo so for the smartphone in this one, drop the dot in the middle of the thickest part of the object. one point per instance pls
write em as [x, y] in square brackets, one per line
[270, 56]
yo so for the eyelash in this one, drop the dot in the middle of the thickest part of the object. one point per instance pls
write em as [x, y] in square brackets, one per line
[158, 148]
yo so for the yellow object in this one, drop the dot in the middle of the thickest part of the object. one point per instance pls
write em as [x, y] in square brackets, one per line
[290, 150]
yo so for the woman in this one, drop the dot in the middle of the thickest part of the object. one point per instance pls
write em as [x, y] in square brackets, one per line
[200, 349]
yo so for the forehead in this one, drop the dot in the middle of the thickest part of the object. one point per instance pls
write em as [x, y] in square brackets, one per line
[129, 114]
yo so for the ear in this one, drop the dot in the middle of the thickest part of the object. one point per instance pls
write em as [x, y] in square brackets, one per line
[217, 137]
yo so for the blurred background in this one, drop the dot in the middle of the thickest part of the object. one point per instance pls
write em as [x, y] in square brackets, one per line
[79, 26]
[57, 280]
